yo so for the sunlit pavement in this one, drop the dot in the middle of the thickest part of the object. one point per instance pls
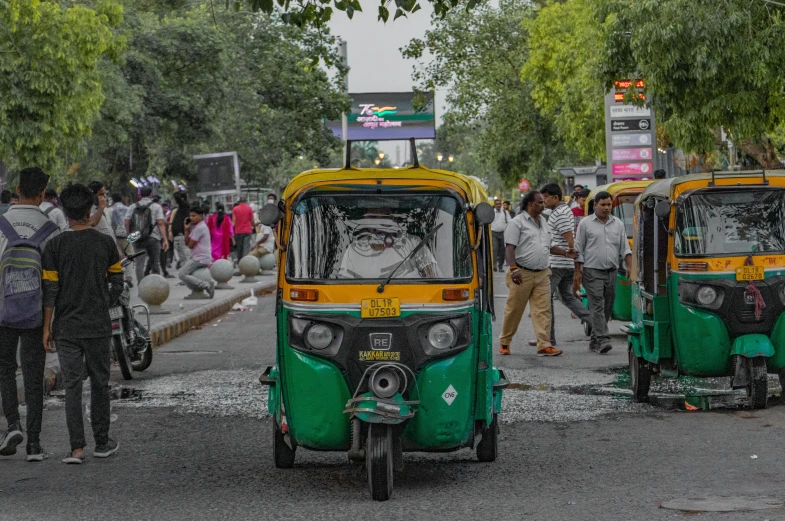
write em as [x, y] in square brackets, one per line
[195, 444]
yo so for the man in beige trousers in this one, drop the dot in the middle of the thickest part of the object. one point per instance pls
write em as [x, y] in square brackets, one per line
[528, 249]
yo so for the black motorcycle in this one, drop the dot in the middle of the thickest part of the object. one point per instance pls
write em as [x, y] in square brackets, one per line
[131, 346]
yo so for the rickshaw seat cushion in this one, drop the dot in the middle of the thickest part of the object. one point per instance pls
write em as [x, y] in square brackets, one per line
[751, 346]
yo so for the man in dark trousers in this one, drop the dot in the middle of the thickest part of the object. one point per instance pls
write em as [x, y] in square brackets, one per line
[500, 220]
[28, 223]
[77, 267]
[602, 244]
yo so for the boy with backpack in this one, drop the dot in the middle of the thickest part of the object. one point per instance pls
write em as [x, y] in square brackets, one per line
[147, 218]
[24, 233]
[77, 266]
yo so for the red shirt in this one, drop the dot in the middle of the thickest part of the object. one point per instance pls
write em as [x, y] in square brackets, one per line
[578, 211]
[243, 218]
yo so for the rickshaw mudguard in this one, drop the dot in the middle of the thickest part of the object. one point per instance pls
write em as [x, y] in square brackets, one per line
[315, 394]
[371, 409]
[445, 415]
[751, 346]
[270, 379]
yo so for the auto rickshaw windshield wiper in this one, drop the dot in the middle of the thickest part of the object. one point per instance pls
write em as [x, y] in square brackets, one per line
[417, 248]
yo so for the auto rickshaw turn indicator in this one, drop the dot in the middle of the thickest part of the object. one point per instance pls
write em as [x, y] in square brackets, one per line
[384, 313]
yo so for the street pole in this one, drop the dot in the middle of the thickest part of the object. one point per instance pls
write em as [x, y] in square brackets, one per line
[344, 119]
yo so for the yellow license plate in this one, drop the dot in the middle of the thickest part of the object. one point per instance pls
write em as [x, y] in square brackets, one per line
[380, 307]
[749, 273]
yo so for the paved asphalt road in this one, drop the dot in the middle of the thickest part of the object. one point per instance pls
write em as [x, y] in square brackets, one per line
[195, 446]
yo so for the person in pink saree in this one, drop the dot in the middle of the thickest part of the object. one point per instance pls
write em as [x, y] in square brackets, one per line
[221, 233]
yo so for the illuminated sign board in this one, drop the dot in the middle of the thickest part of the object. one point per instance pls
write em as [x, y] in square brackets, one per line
[389, 115]
[629, 132]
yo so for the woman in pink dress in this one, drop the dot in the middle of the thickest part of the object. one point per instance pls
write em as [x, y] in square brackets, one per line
[221, 233]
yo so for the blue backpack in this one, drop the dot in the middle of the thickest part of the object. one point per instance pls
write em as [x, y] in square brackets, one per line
[20, 277]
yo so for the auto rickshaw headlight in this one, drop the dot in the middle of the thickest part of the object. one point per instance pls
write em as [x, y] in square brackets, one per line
[441, 336]
[706, 296]
[319, 336]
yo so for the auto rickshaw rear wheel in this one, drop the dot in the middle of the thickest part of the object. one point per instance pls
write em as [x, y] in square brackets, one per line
[283, 454]
[488, 448]
[758, 388]
[379, 461]
[640, 377]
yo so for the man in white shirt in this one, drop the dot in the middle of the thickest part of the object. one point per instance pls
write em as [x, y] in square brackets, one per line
[528, 249]
[500, 219]
[265, 244]
[50, 209]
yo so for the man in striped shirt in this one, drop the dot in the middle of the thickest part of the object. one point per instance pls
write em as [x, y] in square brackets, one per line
[562, 224]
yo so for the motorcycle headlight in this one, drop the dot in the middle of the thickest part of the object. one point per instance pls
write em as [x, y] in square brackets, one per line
[319, 336]
[706, 296]
[441, 336]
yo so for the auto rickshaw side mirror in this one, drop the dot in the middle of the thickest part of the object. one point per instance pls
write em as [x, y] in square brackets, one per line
[484, 213]
[662, 209]
[270, 214]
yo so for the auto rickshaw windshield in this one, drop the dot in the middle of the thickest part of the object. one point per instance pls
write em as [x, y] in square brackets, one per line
[731, 222]
[366, 236]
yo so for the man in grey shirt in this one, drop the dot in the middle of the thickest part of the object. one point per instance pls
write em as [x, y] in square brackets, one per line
[601, 243]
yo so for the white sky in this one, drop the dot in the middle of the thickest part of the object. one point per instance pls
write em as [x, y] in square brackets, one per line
[375, 59]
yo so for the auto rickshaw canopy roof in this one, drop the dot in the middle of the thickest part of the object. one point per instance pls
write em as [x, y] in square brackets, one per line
[619, 186]
[469, 185]
[667, 188]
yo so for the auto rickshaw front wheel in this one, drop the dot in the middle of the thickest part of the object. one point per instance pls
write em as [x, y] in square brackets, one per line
[488, 448]
[379, 461]
[283, 454]
[758, 386]
[640, 377]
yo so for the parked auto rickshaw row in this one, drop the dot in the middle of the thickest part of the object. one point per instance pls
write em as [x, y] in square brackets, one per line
[384, 313]
[708, 284]
[707, 293]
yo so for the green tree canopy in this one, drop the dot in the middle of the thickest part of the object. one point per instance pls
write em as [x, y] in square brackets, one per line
[50, 78]
[478, 56]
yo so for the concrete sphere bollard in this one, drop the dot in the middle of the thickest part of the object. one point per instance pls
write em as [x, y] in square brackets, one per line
[196, 293]
[249, 267]
[222, 271]
[154, 290]
[267, 262]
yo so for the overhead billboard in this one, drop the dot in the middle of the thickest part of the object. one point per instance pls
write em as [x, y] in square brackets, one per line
[389, 115]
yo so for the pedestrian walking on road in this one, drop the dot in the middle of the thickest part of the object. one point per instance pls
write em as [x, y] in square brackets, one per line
[602, 245]
[242, 220]
[147, 218]
[197, 238]
[507, 205]
[561, 225]
[24, 233]
[77, 267]
[528, 248]
[50, 209]
[500, 220]
[579, 212]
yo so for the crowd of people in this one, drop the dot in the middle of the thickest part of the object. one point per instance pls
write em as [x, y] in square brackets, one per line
[552, 248]
[61, 272]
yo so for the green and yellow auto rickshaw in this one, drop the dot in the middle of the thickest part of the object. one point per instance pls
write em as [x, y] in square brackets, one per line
[623, 194]
[384, 311]
[708, 290]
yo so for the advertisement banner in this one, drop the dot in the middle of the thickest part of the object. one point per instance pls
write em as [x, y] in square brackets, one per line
[389, 115]
[631, 154]
[632, 168]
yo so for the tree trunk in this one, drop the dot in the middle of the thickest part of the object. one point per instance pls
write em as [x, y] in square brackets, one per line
[761, 151]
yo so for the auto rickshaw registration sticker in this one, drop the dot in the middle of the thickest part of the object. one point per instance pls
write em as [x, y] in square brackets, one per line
[380, 307]
[749, 273]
